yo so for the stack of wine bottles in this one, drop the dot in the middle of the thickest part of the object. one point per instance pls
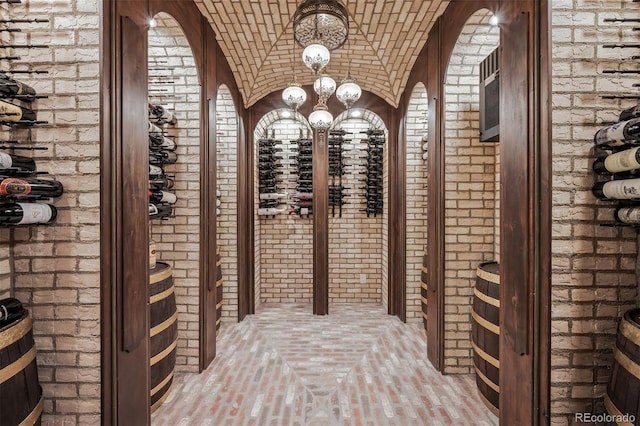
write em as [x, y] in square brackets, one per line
[269, 171]
[337, 169]
[161, 152]
[373, 172]
[621, 143]
[302, 203]
[425, 146]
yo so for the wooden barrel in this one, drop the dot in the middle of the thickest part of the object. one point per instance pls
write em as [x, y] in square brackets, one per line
[424, 278]
[219, 294]
[485, 334]
[21, 398]
[623, 390]
[163, 318]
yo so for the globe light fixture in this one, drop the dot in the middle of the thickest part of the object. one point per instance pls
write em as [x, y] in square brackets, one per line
[294, 95]
[324, 86]
[316, 57]
[348, 92]
[320, 119]
[321, 21]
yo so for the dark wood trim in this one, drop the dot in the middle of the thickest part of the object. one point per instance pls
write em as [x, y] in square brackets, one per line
[320, 223]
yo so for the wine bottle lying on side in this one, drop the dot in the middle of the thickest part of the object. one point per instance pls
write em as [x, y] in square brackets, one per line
[27, 214]
[21, 187]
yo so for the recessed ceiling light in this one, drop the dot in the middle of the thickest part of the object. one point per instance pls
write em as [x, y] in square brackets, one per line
[494, 20]
[286, 114]
[356, 113]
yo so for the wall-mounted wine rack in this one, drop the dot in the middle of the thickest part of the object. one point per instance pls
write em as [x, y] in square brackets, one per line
[162, 149]
[22, 185]
[373, 172]
[269, 176]
[337, 169]
[302, 199]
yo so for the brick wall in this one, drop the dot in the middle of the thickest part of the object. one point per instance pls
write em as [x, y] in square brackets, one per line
[56, 268]
[593, 279]
[6, 263]
[469, 188]
[178, 239]
[416, 128]
[227, 151]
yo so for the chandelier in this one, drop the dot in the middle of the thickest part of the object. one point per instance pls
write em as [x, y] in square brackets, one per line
[324, 22]
[320, 119]
[324, 86]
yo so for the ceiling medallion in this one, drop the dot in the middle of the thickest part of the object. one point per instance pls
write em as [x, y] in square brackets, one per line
[321, 21]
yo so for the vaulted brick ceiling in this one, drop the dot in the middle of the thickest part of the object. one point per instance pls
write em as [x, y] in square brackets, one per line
[385, 38]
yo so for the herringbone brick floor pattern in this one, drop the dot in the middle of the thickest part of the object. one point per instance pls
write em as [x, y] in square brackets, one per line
[356, 366]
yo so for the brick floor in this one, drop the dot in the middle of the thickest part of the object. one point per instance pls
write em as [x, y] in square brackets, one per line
[356, 366]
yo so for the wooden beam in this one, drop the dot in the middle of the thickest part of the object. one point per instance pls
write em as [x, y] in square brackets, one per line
[320, 223]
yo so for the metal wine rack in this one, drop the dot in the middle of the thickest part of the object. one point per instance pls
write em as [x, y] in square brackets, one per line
[629, 50]
[337, 169]
[162, 149]
[15, 93]
[269, 171]
[302, 203]
[373, 172]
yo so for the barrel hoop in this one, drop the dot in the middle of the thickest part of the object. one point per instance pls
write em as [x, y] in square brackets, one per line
[219, 263]
[485, 379]
[160, 276]
[491, 360]
[219, 282]
[424, 315]
[18, 365]
[424, 285]
[156, 359]
[163, 325]
[488, 276]
[15, 333]
[163, 382]
[626, 362]
[484, 323]
[489, 405]
[219, 321]
[613, 410]
[33, 416]
[486, 299]
[630, 332]
[425, 269]
[162, 295]
[219, 305]
[160, 401]
[424, 300]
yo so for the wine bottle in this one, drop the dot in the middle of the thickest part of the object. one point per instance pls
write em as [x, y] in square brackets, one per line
[11, 113]
[10, 88]
[158, 211]
[18, 187]
[272, 196]
[160, 115]
[161, 142]
[302, 195]
[27, 213]
[218, 212]
[618, 134]
[161, 182]
[159, 196]
[8, 161]
[628, 215]
[155, 170]
[622, 161]
[425, 155]
[269, 212]
[10, 310]
[162, 157]
[623, 189]
[630, 113]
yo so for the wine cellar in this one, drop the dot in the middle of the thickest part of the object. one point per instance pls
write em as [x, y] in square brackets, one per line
[319, 212]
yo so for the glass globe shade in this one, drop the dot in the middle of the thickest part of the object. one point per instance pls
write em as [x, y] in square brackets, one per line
[324, 86]
[348, 93]
[315, 56]
[320, 118]
[294, 95]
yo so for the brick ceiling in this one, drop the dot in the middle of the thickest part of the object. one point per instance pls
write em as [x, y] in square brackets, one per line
[385, 38]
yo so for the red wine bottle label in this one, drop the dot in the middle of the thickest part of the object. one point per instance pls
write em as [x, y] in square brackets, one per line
[624, 189]
[14, 187]
[629, 215]
[622, 161]
[5, 161]
[35, 213]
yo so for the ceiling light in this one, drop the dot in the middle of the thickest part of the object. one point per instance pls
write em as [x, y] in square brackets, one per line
[153, 23]
[348, 92]
[294, 95]
[356, 113]
[324, 86]
[494, 20]
[316, 57]
[324, 21]
[285, 114]
[320, 118]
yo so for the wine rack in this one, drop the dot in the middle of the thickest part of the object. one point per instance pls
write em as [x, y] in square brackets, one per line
[302, 199]
[373, 172]
[337, 169]
[617, 166]
[269, 176]
[22, 185]
[162, 149]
